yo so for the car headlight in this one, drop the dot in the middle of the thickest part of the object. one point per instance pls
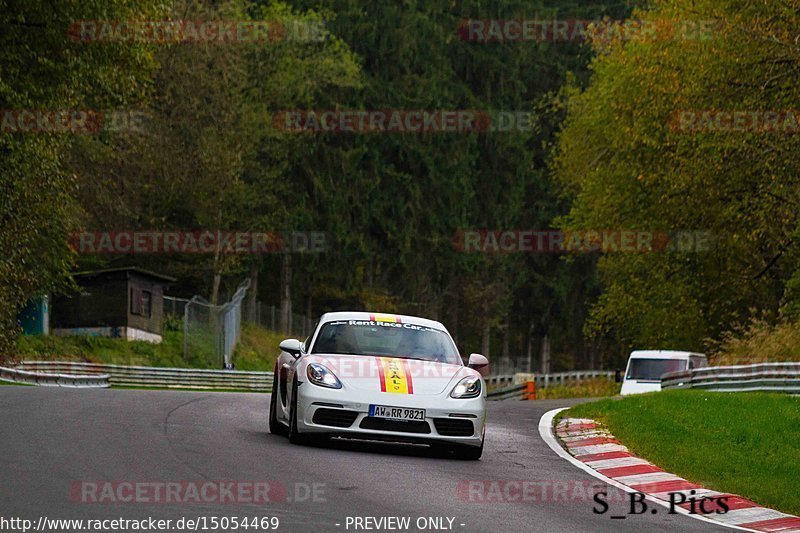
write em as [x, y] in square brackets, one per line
[320, 375]
[469, 387]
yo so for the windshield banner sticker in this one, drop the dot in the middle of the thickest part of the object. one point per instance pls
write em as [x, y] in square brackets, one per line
[385, 318]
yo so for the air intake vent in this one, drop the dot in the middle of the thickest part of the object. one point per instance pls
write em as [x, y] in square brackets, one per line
[338, 418]
[382, 424]
[453, 427]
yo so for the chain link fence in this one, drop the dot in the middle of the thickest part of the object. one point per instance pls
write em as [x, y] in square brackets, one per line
[210, 332]
[174, 306]
[269, 317]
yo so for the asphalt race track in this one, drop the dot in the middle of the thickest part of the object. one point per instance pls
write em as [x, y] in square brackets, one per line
[54, 440]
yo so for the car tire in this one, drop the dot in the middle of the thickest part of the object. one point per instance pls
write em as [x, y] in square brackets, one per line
[276, 427]
[295, 437]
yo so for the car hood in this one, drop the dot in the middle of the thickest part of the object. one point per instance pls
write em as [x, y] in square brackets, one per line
[392, 374]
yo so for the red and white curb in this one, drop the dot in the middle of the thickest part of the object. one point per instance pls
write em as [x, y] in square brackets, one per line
[594, 450]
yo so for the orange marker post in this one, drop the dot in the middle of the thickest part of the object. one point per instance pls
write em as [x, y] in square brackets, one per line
[529, 392]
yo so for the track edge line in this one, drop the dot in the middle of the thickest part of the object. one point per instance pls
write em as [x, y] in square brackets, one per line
[546, 432]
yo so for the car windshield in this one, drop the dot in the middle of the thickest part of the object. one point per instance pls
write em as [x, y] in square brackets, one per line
[653, 369]
[368, 337]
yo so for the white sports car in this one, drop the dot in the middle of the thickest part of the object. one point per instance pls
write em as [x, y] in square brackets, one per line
[380, 377]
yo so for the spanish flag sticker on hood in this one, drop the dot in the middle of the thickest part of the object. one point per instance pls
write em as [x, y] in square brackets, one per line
[395, 376]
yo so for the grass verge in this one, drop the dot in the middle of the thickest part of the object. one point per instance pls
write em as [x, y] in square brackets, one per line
[257, 350]
[592, 388]
[744, 443]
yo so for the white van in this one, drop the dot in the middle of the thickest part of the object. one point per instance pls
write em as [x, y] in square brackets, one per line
[645, 368]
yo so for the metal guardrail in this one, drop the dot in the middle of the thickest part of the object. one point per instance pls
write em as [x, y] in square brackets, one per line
[507, 393]
[508, 386]
[780, 377]
[546, 380]
[82, 381]
[171, 378]
[499, 387]
[499, 381]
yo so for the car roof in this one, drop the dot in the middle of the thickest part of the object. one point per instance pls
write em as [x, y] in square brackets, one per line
[371, 315]
[663, 354]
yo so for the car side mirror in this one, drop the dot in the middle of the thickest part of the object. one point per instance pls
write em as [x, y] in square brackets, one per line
[618, 376]
[292, 346]
[479, 363]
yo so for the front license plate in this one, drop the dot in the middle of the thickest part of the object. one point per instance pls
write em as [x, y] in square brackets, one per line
[396, 413]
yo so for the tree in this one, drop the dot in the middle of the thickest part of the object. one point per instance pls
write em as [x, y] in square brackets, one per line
[42, 70]
[393, 202]
[210, 156]
[627, 163]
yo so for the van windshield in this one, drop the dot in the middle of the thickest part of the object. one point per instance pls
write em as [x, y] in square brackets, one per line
[653, 369]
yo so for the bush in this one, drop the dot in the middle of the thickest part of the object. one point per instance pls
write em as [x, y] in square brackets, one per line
[758, 342]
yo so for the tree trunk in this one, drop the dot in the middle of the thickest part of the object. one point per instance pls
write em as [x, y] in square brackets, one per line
[286, 294]
[252, 295]
[545, 354]
[454, 321]
[529, 351]
[217, 275]
[309, 316]
[215, 287]
[487, 332]
[487, 329]
[506, 348]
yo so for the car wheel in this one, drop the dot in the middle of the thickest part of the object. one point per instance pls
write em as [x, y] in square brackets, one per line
[295, 437]
[276, 427]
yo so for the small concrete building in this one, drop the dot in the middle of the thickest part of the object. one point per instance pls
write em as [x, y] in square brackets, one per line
[117, 302]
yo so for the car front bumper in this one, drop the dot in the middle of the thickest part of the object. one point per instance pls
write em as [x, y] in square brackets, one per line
[447, 420]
